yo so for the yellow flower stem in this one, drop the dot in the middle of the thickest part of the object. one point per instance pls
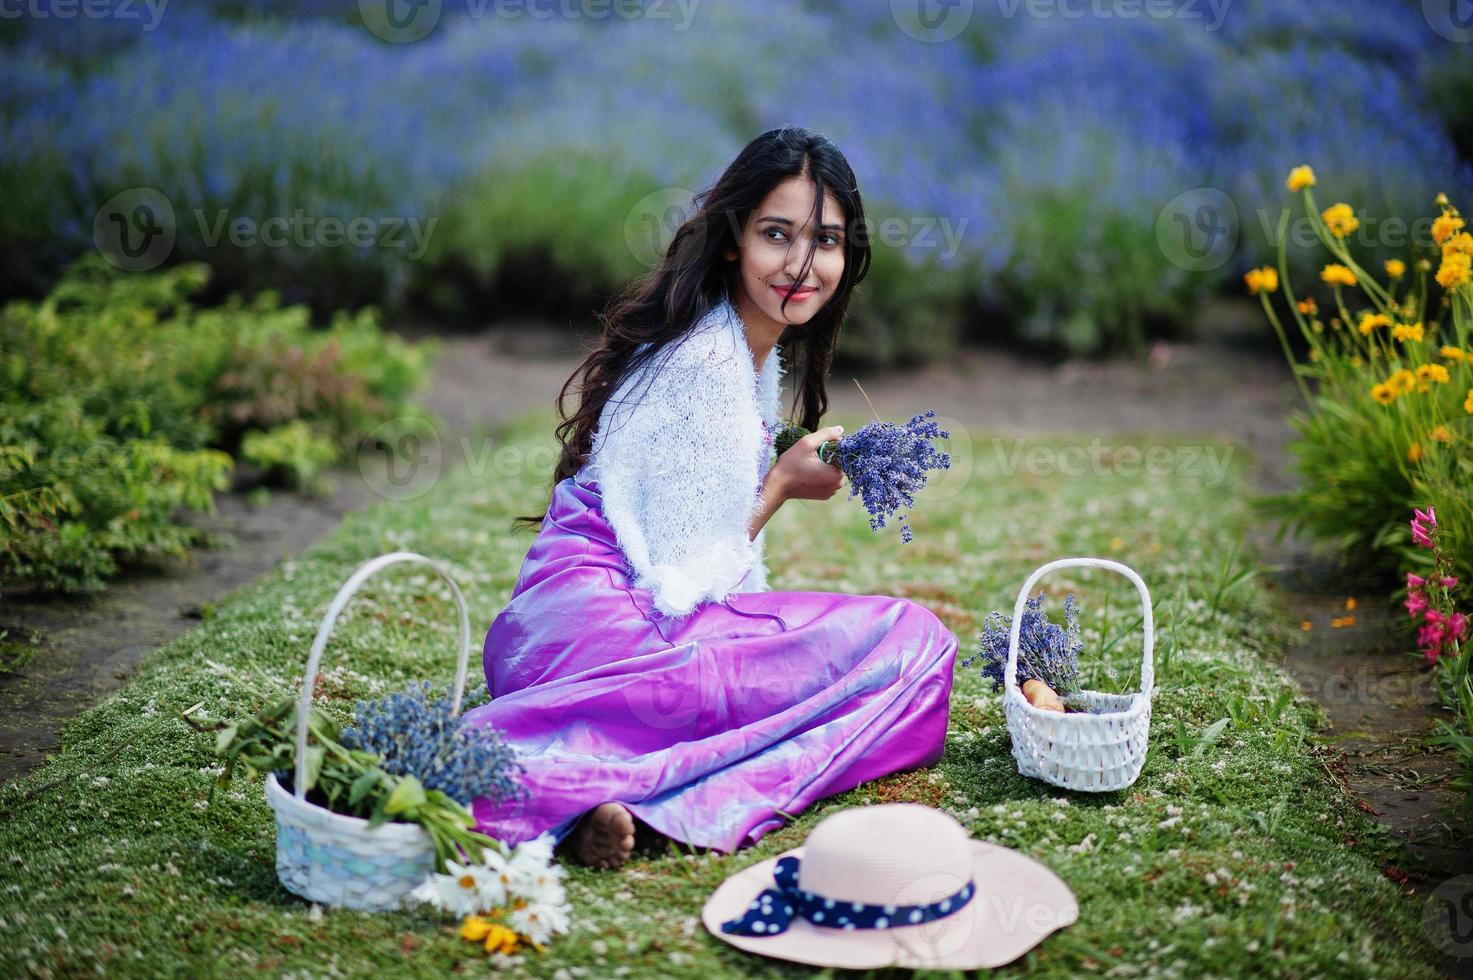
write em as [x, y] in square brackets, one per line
[1338, 249]
[1288, 288]
[1288, 352]
[1340, 305]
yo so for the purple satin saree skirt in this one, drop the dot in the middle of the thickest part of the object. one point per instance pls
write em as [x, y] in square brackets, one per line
[708, 727]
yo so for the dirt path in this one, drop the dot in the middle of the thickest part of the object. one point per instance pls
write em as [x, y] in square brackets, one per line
[1230, 386]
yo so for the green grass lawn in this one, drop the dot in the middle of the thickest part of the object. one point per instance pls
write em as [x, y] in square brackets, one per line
[1234, 853]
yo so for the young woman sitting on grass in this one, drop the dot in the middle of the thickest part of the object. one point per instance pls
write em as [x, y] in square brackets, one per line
[643, 669]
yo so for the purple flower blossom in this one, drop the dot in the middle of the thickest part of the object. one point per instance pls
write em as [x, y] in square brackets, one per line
[1046, 651]
[886, 465]
[416, 736]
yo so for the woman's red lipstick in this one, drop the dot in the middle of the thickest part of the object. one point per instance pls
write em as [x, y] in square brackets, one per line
[798, 295]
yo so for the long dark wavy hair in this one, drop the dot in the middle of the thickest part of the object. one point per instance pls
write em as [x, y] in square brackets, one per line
[692, 277]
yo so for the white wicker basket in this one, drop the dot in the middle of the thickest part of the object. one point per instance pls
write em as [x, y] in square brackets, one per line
[1096, 751]
[336, 859]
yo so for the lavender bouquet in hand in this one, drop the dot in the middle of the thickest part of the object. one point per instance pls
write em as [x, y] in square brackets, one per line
[885, 463]
[1047, 652]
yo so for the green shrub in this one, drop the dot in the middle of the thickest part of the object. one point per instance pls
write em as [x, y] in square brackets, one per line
[120, 400]
[75, 500]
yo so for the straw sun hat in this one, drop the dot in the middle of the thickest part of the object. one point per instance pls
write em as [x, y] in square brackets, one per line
[891, 884]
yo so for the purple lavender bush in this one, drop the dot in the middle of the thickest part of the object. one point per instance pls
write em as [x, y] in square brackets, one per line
[416, 736]
[1046, 651]
[885, 463]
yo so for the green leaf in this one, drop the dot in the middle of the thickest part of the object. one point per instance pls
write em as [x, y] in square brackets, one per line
[1209, 736]
[315, 755]
[406, 796]
[223, 739]
[361, 786]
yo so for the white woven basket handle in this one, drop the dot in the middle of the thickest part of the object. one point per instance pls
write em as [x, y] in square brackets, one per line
[1148, 669]
[304, 703]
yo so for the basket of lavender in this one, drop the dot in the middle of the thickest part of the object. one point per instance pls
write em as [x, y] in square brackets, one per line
[885, 463]
[378, 811]
[1061, 732]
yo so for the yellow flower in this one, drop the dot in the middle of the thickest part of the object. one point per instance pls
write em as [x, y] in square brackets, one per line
[1308, 306]
[1355, 361]
[1407, 332]
[1454, 353]
[1340, 219]
[1440, 434]
[1337, 275]
[1445, 227]
[1402, 381]
[1414, 452]
[1432, 372]
[1383, 393]
[1456, 270]
[1370, 321]
[1468, 404]
[1306, 625]
[1300, 178]
[501, 939]
[1396, 268]
[474, 928]
[1350, 602]
[1265, 280]
[1462, 242]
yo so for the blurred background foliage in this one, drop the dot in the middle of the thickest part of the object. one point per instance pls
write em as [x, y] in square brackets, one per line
[1072, 185]
[1049, 146]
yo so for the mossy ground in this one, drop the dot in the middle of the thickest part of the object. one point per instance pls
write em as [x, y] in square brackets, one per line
[1234, 853]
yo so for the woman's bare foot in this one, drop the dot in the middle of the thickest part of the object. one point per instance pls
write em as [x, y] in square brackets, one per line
[604, 837]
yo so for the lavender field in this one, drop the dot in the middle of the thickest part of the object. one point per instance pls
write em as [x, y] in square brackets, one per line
[1078, 181]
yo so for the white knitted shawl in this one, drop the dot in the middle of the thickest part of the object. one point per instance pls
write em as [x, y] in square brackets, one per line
[679, 455]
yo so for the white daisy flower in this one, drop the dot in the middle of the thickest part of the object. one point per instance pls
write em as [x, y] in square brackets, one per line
[538, 921]
[459, 891]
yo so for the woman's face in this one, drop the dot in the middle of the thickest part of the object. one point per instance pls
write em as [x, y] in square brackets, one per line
[774, 243]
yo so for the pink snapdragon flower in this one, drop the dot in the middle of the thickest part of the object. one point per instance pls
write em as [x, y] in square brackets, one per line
[1430, 598]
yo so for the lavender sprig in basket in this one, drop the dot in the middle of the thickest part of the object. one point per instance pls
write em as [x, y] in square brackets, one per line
[886, 463]
[1047, 652]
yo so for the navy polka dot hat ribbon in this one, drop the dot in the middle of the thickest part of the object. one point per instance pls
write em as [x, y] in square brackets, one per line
[771, 912]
